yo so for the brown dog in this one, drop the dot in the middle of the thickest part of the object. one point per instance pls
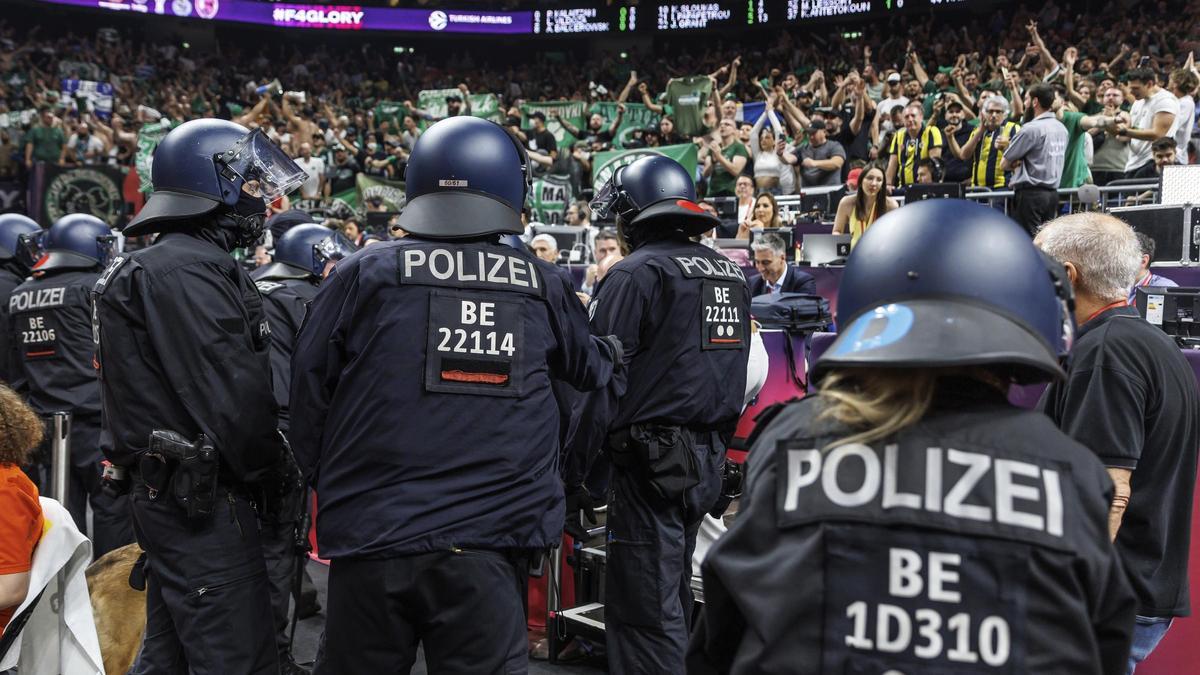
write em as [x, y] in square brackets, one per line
[119, 610]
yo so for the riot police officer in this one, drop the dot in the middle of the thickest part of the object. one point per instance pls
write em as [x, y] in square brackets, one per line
[429, 430]
[51, 329]
[13, 270]
[682, 311]
[182, 345]
[908, 518]
[304, 253]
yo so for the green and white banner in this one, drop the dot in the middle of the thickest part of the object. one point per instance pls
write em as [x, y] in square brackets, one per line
[433, 101]
[637, 116]
[147, 140]
[391, 111]
[605, 163]
[391, 192]
[549, 198]
[571, 111]
[16, 118]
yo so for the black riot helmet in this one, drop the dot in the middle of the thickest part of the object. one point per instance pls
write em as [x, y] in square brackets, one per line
[466, 177]
[914, 295]
[303, 251]
[216, 167]
[654, 193]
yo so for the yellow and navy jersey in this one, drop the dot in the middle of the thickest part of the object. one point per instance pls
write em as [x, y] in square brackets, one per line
[910, 151]
[986, 171]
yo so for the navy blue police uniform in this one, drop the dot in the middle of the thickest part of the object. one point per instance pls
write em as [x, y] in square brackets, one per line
[288, 285]
[13, 270]
[182, 343]
[51, 329]
[430, 431]
[682, 311]
[973, 540]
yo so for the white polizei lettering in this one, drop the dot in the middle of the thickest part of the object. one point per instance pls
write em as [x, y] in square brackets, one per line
[497, 267]
[977, 465]
[884, 640]
[933, 480]
[803, 467]
[516, 269]
[687, 263]
[413, 257]
[705, 266]
[1054, 503]
[871, 476]
[893, 498]
[433, 264]
[904, 573]
[36, 299]
[941, 575]
[1007, 491]
[533, 276]
[462, 269]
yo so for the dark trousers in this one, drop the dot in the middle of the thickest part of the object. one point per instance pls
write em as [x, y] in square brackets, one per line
[207, 607]
[1103, 178]
[1034, 207]
[648, 594]
[279, 552]
[466, 607]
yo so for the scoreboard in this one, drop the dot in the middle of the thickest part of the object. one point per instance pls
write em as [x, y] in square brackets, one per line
[588, 16]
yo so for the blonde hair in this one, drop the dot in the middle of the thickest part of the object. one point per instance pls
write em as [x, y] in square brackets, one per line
[20, 428]
[885, 401]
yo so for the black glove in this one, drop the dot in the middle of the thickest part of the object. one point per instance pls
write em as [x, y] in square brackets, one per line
[617, 349]
[579, 502]
[282, 489]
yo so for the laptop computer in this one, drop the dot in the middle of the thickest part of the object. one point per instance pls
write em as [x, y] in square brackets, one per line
[825, 249]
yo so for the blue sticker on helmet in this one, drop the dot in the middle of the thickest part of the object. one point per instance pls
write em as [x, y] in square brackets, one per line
[899, 321]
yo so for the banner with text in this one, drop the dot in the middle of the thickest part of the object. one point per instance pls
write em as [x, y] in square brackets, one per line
[97, 96]
[95, 190]
[571, 111]
[605, 163]
[549, 199]
[433, 101]
[147, 140]
[637, 116]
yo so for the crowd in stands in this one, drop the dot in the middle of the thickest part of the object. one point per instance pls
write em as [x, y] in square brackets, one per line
[922, 98]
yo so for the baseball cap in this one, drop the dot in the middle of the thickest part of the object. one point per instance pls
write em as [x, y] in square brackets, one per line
[817, 125]
[893, 78]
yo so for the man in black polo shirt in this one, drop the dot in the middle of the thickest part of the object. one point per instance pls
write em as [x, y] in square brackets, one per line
[1131, 397]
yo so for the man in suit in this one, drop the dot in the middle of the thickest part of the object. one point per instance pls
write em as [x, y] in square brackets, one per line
[775, 274]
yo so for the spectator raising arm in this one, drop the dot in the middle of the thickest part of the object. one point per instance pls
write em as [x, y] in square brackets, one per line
[644, 90]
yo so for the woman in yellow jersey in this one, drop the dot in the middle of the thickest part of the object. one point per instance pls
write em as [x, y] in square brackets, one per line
[858, 211]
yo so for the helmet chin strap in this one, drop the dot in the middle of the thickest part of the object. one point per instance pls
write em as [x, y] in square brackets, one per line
[246, 230]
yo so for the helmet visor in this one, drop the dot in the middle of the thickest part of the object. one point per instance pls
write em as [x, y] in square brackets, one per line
[107, 246]
[332, 248]
[612, 198]
[263, 167]
[30, 248]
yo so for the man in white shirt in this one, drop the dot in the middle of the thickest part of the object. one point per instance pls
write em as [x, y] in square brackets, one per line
[313, 186]
[894, 98]
[1183, 84]
[1154, 115]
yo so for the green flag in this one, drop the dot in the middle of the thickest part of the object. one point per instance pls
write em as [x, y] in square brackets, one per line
[605, 163]
[572, 111]
[147, 140]
[433, 101]
[392, 111]
[637, 116]
[549, 198]
[390, 191]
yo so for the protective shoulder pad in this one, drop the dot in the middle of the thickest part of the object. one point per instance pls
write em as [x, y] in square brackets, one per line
[109, 272]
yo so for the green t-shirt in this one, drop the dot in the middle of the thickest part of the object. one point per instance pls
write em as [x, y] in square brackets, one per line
[47, 143]
[1075, 168]
[721, 182]
[688, 97]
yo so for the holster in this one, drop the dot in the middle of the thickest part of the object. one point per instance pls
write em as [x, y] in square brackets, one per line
[280, 493]
[664, 454]
[186, 469]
